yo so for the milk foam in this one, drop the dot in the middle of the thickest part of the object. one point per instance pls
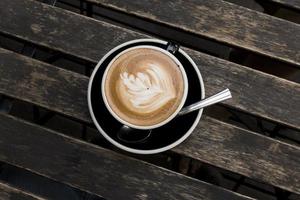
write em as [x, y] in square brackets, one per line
[147, 90]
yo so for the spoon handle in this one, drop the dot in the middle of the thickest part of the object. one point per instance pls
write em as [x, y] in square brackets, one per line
[221, 96]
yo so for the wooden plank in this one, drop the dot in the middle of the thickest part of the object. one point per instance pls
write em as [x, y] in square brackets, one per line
[28, 80]
[254, 92]
[214, 142]
[61, 30]
[245, 152]
[295, 4]
[9, 193]
[94, 169]
[221, 21]
[54, 26]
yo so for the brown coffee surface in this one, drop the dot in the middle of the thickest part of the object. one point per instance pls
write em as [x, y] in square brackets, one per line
[144, 86]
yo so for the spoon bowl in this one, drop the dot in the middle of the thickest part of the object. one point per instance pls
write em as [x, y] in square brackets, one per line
[131, 135]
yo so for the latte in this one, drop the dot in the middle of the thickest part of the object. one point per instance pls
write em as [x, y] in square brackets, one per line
[144, 86]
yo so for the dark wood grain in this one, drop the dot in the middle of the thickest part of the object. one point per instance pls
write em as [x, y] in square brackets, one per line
[253, 91]
[9, 193]
[58, 29]
[244, 152]
[214, 142]
[61, 30]
[94, 169]
[295, 4]
[220, 21]
[43, 84]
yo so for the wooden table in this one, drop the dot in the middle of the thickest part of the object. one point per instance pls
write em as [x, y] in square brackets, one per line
[101, 171]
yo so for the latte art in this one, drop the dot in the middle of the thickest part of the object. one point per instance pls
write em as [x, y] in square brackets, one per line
[147, 91]
[144, 87]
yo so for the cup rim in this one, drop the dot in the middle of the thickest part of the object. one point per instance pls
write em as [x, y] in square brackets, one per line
[173, 115]
[114, 142]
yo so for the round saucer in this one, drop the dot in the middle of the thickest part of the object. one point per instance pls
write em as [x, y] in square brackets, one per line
[162, 138]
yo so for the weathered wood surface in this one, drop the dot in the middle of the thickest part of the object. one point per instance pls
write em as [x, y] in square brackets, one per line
[40, 83]
[214, 142]
[94, 169]
[254, 92]
[9, 193]
[220, 21]
[244, 152]
[60, 29]
[295, 4]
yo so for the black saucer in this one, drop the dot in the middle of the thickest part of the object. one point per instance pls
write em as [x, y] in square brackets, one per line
[160, 138]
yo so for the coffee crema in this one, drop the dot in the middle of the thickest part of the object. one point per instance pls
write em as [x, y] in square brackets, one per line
[144, 86]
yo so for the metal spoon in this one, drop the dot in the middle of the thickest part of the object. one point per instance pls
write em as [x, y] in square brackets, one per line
[221, 96]
[145, 134]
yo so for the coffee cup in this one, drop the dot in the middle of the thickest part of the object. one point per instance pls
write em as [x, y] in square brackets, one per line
[162, 138]
[144, 87]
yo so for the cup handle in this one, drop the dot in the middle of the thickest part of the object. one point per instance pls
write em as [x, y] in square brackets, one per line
[172, 47]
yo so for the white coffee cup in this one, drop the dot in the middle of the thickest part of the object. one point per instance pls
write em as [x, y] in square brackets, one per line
[180, 105]
[109, 134]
